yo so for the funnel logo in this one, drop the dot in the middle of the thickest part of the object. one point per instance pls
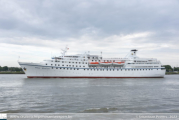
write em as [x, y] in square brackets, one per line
[24, 68]
[3, 116]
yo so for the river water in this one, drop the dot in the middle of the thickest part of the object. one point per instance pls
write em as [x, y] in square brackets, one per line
[19, 94]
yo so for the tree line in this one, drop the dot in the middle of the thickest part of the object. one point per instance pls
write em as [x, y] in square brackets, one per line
[5, 68]
[170, 69]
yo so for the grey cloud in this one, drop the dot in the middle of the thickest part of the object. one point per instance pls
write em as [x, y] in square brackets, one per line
[57, 19]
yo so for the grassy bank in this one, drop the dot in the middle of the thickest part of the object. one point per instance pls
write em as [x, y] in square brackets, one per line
[171, 73]
[9, 72]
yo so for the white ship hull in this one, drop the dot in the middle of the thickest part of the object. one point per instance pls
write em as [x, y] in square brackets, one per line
[39, 70]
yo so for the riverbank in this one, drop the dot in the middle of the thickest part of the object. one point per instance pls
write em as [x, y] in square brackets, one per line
[12, 72]
[171, 73]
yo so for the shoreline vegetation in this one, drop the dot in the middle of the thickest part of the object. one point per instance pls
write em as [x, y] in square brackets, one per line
[12, 72]
[18, 70]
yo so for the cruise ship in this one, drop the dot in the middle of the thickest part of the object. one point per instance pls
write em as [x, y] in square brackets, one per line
[94, 66]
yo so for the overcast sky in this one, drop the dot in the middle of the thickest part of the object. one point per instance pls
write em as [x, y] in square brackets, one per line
[37, 29]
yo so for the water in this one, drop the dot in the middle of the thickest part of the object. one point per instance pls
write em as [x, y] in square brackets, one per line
[19, 94]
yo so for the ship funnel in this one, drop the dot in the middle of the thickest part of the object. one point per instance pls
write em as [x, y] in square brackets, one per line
[133, 52]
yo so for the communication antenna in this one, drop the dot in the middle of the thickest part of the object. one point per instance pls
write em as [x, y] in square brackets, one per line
[64, 51]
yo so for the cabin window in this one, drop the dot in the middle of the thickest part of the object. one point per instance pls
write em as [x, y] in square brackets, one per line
[52, 67]
[55, 64]
[56, 68]
[51, 64]
[46, 63]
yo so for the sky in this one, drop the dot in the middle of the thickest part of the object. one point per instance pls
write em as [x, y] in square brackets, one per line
[34, 30]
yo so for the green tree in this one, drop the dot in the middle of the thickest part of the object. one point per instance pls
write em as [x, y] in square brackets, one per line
[5, 68]
[176, 69]
[168, 68]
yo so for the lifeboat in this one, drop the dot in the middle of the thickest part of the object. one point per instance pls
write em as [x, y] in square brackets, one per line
[105, 63]
[94, 63]
[118, 63]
